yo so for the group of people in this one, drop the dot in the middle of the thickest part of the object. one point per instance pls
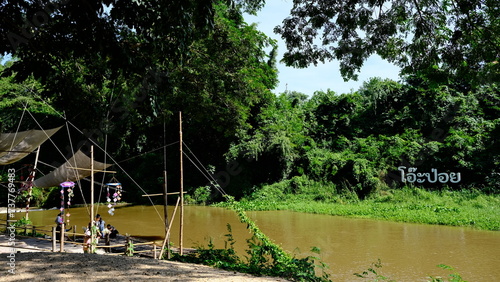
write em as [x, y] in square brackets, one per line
[106, 232]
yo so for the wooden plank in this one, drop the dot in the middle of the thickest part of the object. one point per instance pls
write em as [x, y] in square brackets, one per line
[145, 251]
[94, 170]
[27, 248]
[161, 194]
[144, 244]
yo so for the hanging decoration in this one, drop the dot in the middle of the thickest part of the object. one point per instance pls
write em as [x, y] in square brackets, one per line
[115, 196]
[67, 186]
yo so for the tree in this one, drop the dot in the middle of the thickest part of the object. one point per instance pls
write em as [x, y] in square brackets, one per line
[220, 88]
[122, 69]
[15, 97]
[113, 62]
[83, 52]
[65, 44]
[437, 39]
[271, 148]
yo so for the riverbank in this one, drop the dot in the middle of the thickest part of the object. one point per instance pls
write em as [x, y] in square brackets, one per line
[91, 267]
[38, 265]
[466, 208]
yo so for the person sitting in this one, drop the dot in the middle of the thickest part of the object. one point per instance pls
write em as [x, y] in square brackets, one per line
[113, 230]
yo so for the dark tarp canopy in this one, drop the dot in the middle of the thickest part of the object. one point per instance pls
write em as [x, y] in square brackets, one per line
[76, 168]
[16, 146]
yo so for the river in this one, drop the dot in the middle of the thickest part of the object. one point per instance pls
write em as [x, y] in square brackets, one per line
[408, 252]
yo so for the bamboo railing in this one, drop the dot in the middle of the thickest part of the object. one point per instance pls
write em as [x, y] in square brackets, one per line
[34, 230]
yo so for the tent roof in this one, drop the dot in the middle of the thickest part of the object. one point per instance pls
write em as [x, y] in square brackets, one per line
[76, 168]
[16, 146]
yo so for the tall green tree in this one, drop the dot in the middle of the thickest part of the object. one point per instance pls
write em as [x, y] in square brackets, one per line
[220, 89]
[76, 48]
[271, 148]
[16, 97]
[124, 69]
[437, 39]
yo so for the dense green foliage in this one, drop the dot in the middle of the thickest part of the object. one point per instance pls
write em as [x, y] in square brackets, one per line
[355, 142]
[264, 257]
[118, 72]
[123, 101]
[455, 208]
[214, 69]
[439, 39]
[15, 97]
[373, 273]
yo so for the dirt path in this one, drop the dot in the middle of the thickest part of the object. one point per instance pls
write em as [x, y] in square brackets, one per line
[32, 265]
[38, 266]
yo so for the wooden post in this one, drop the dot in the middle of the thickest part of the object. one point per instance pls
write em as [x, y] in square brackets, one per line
[92, 239]
[154, 251]
[33, 231]
[62, 238]
[182, 187]
[165, 192]
[54, 238]
[74, 233]
[165, 211]
[169, 226]
[126, 245]
[31, 177]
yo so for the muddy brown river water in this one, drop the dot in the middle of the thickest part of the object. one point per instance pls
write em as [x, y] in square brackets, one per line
[408, 252]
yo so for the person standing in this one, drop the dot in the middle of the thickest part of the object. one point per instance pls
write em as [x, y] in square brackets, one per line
[106, 235]
[100, 225]
[87, 239]
[59, 221]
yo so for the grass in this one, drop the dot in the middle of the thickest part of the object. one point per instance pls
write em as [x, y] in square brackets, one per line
[415, 205]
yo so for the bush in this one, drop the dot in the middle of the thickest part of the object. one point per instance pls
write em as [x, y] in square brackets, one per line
[265, 257]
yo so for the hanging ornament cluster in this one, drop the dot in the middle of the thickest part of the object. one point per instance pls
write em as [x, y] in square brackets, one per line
[68, 186]
[115, 197]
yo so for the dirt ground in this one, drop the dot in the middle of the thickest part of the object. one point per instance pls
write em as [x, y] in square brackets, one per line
[37, 265]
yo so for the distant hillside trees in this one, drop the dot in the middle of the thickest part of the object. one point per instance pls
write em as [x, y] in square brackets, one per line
[357, 141]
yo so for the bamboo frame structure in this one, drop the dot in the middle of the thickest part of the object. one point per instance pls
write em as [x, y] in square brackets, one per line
[169, 226]
[181, 235]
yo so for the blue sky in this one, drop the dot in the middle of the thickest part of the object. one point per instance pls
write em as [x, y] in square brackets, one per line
[322, 77]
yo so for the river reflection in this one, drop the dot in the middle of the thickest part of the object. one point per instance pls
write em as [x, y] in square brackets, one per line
[409, 252]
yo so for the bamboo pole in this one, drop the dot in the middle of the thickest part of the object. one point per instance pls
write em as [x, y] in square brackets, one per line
[27, 248]
[92, 239]
[94, 170]
[31, 178]
[169, 226]
[165, 190]
[165, 211]
[182, 187]
[61, 240]
[128, 243]
[54, 234]
[161, 194]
